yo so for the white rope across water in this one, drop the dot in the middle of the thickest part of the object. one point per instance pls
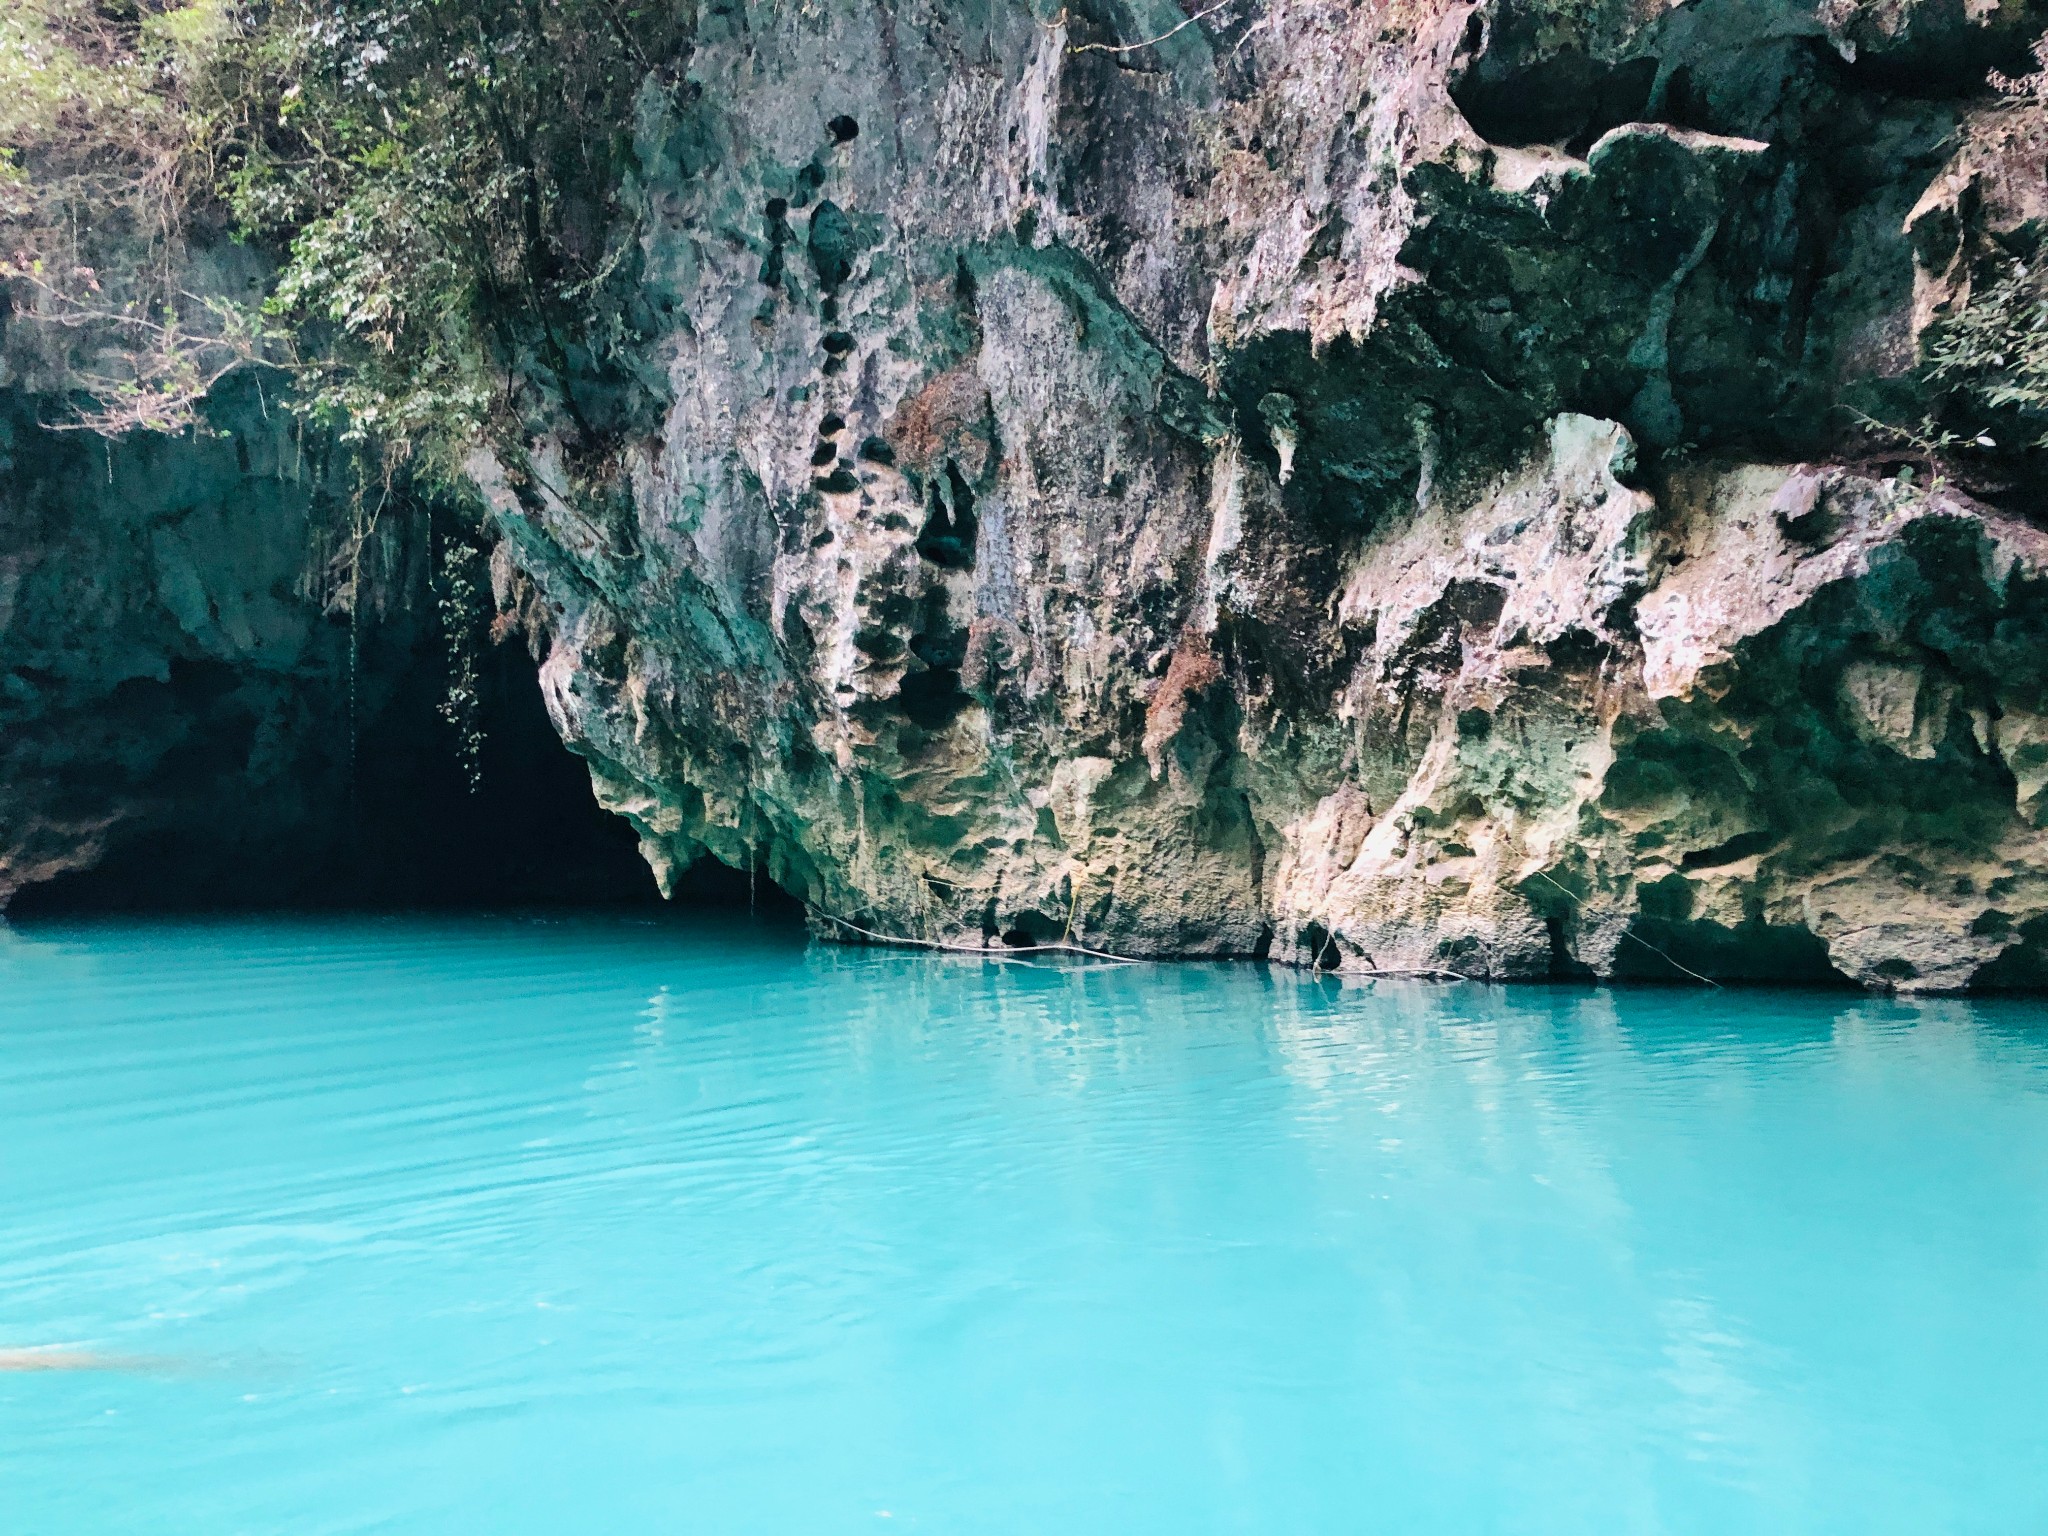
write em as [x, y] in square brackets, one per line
[1067, 947]
[1008, 951]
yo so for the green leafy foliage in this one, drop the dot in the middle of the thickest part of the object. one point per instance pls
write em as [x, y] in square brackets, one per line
[441, 179]
[1994, 355]
[432, 183]
[104, 167]
[465, 609]
[410, 207]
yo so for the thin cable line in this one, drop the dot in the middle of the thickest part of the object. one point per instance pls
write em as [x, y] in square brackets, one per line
[1627, 934]
[1060, 20]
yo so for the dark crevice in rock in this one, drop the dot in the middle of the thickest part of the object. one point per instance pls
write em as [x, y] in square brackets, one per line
[950, 528]
[1565, 965]
[1741, 846]
[1564, 98]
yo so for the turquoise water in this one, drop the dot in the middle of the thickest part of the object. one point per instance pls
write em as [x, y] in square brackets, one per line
[599, 1225]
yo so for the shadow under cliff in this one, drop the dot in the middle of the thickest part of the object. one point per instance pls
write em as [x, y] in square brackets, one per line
[405, 828]
[222, 687]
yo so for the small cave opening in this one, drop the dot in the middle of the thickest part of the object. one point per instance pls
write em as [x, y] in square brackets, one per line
[711, 886]
[950, 529]
[1035, 930]
[405, 832]
[1321, 947]
[1678, 952]
[2023, 965]
[1565, 98]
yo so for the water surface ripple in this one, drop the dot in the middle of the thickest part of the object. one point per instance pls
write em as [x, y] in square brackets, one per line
[518, 1225]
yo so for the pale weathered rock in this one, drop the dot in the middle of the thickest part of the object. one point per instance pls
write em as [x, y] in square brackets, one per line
[1321, 484]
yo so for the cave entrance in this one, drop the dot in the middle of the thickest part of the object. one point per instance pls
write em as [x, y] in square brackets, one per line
[406, 830]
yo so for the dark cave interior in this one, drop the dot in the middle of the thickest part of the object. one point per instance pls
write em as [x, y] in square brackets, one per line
[412, 834]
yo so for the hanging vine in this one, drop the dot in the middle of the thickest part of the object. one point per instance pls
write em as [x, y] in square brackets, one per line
[466, 610]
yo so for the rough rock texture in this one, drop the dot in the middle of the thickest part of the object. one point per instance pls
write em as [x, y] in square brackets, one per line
[1380, 484]
[161, 643]
[1342, 481]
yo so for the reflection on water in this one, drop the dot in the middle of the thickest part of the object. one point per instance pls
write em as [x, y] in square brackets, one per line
[519, 1225]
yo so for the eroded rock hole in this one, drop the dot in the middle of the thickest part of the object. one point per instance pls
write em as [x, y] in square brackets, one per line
[948, 537]
[934, 698]
[808, 181]
[887, 621]
[1564, 98]
[832, 245]
[844, 129]
[773, 265]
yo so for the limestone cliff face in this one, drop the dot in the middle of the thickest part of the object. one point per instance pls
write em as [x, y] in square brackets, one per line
[1356, 483]
[1371, 483]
